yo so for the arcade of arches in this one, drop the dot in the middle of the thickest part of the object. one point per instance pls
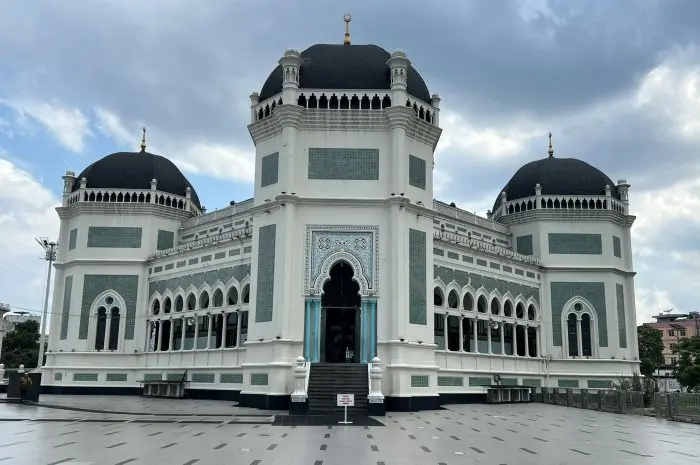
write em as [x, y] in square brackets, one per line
[484, 328]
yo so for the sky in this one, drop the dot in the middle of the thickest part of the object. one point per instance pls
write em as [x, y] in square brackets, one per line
[617, 83]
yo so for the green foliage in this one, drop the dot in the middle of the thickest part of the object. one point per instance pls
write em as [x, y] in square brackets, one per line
[650, 350]
[21, 346]
[687, 369]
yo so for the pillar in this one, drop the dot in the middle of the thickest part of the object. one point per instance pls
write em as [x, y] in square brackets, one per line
[461, 333]
[578, 336]
[488, 334]
[209, 331]
[527, 340]
[373, 326]
[515, 339]
[308, 328]
[366, 333]
[196, 332]
[224, 327]
[183, 328]
[171, 336]
[476, 335]
[503, 338]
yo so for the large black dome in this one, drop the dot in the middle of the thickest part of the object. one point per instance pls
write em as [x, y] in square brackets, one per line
[135, 170]
[339, 66]
[557, 176]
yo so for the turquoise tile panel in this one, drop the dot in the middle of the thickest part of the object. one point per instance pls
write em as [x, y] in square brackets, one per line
[593, 292]
[621, 317]
[416, 172]
[153, 377]
[509, 381]
[219, 255]
[451, 381]
[420, 381]
[531, 382]
[265, 289]
[166, 240]
[523, 245]
[269, 169]
[203, 377]
[209, 277]
[568, 383]
[617, 247]
[438, 252]
[58, 376]
[247, 249]
[114, 237]
[344, 164]
[258, 379]
[599, 384]
[462, 278]
[479, 381]
[65, 311]
[231, 378]
[575, 244]
[453, 255]
[174, 376]
[87, 377]
[72, 239]
[417, 277]
[116, 377]
[124, 285]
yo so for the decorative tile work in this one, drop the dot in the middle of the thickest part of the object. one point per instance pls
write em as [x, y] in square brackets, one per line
[203, 377]
[238, 272]
[568, 383]
[193, 261]
[269, 169]
[453, 255]
[58, 376]
[467, 259]
[478, 381]
[219, 255]
[462, 278]
[234, 252]
[258, 379]
[247, 249]
[575, 244]
[519, 272]
[449, 226]
[124, 285]
[621, 317]
[358, 244]
[166, 240]
[494, 266]
[344, 164]
[530, 274]
[617, 247]
[265, 289]
[72, 238]
[420, 381]
[507, 269]
[206, 258]
[531, 382]
[181, 264]
[481, 262]
[593, 292]
[157, 269]
[438, 252]
[523, 245]
[65, 311]
[416, 172]
[87, 377]
[450, 381]
[116, 377]
[114, 237]
[509, 381]
[169, 266]
[599, 384]
[231, 378]
[417, 276]
[153, 377]
[227, 225]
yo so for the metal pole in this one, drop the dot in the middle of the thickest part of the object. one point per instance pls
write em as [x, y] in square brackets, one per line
[50, 256]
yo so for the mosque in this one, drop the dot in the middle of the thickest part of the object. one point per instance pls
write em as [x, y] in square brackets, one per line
[342, 255]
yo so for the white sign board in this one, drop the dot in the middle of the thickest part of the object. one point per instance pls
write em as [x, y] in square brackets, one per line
[346, 400]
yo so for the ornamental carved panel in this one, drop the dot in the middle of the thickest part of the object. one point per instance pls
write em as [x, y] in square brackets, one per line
[356, 245]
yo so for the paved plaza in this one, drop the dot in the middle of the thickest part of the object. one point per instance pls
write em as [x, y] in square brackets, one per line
[131, 430]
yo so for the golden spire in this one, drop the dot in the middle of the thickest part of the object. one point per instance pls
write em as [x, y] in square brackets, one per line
[347, 18]
[143, 139]
[551, 149]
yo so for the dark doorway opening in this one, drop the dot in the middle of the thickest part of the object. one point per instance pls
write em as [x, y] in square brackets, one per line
[341, 316]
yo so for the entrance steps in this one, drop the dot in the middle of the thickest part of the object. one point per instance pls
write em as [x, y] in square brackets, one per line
[327, 380]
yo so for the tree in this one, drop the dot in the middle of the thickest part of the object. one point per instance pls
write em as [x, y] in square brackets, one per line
[651, 349]
[21, 346]
[687, 368]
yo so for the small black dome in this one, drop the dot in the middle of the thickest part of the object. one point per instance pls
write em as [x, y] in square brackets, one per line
[135, 170]
[338, 66]
[557, 176]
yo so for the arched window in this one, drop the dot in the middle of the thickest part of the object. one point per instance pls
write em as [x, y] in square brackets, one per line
[218, 298]
[520, 310]
[101, 328]
[114, 320]
[204, 300]
[468, 302]
[531, 314]
[232, 298]
[579, 322]
[178, 303]
[156, 307]
[586, 343]
[167, 305]
[453, 299]
[246, 294]
[438, 297]
[508, 308]
[572, 333]
[481, 304]
[495, 306]
[191, 302]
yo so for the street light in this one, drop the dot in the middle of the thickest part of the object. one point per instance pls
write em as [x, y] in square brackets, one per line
[50, 256]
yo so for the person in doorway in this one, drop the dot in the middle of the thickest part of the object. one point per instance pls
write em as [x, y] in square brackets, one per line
[25, 382]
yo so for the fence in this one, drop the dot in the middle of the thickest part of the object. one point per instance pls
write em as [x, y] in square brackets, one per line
[630, 402]
[677, 406]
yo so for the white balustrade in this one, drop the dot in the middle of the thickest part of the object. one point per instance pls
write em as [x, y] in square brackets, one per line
[375, 382]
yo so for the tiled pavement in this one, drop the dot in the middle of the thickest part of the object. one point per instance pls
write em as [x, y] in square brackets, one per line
[210, 432]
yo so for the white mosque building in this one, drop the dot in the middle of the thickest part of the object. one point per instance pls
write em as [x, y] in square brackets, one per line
[342, 255]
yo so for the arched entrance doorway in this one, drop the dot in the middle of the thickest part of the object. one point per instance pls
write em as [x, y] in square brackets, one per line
[341, 316]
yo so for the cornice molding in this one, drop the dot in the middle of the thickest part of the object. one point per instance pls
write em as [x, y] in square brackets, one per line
[101, 262]
[590, 269]
[569, 216]
[108, 208]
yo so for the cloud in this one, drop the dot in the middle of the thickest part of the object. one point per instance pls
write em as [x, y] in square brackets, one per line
[26, 211]
[69, 126]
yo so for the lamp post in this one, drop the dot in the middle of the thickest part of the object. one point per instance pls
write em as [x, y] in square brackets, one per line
[50, 256]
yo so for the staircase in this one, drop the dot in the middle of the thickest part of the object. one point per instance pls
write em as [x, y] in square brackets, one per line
[326, 380]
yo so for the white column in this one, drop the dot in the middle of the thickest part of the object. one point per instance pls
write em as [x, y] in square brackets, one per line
[503, 339]
[475, 333]
[238, 330]
[171, 339]
[515, 339]
[444, 336]
[108, 325]
[223, 329]
[527, 340]
[182, 337]
[147, 344]
[578, 336]
[196, 332]
[209, 331]
[537, 341]
[159, 334]
[488, 334]
[461, 333]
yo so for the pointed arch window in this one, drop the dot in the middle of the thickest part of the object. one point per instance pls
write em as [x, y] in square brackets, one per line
[579, 325]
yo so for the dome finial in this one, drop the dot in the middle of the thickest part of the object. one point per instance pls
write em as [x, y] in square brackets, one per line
[143, 139]
[347, 18]
[551, 149]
